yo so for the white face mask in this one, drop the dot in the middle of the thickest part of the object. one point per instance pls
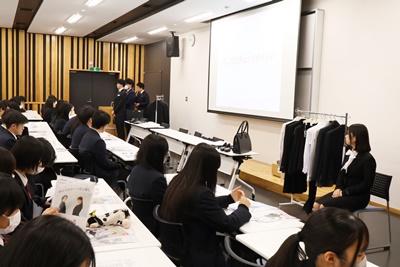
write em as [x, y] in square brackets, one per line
[14, 222]
[71, 114]
[362, 263]
[39, 170]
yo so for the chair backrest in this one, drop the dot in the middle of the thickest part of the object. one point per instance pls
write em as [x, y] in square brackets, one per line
[215, 139]
[381, 185]
[88, 163]
[183, 130]
[143, 209]
[198, 134]
[235, 260]
[172, 237]
[134, 114]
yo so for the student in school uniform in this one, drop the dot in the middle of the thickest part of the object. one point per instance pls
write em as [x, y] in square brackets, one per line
[62, 116]
[28, 152]
[142, 99]
[45, 172]
[130, 99]
[12, 126]
[49, 108]
[11, 201]
[119, 109]
[331, 237]
[190, 199]
[93, 144]
[48, 241]
[85, 122]
[147, 180]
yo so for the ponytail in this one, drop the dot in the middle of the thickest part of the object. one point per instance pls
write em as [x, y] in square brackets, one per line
[289, 254]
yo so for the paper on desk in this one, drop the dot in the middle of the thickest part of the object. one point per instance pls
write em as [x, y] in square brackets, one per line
[272, 216]
[255, 206]
[109, 235]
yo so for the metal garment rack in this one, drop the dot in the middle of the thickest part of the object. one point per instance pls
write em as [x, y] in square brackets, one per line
[158, 97]
[298, 112]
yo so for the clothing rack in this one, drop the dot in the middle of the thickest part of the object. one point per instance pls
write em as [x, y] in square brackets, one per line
[158, 97]
[309, 112]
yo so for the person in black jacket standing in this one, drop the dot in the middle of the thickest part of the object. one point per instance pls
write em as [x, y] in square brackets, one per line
[142, 99]
[119, 110]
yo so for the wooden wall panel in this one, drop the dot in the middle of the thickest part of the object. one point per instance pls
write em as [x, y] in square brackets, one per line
[37, 65]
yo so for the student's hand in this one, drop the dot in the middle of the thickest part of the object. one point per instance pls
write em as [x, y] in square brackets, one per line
[337, 193]
[245, 201]
[237, 194]
[47, 203]
[51, 211]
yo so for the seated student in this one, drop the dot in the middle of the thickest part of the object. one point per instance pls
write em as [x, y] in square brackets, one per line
[48, 241]
[49, 108]
[357, 175]
[45, 173]
[68, 126]
[27, 152]
[85, 122]
[147, 179]
[20, 101]
[190, 199]
[62, 116]
[331, 237]
[7, 162]
[53, 116]
[11, 200]
[93, 144]
[13, 126]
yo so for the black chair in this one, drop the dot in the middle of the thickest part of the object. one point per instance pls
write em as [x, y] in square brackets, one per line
[143, 209]
[64, 140]
[198, 134]
[183, 130]
[380, 188]
[78, 168]
[172, 238]
[88, 164]
[235, 260]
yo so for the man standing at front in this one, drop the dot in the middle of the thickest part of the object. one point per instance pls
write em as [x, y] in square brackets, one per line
[119, 109]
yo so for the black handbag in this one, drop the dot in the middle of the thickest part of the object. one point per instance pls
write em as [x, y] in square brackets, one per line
[241, 141]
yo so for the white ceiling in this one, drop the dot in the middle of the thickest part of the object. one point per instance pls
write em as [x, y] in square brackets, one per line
[54, 13]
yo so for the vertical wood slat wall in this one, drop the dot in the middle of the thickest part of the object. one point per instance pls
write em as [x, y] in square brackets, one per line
[37, 65]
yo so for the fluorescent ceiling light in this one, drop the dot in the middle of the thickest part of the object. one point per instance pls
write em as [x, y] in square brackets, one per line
[92, 3]
[74, 18]
[130, 39]
[60, 30]
[158, 30]
[198, 17]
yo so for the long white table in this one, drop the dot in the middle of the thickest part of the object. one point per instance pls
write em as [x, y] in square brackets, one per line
[42, 129]
[32, 115]
[140, 257]
[141, 130]
[144, 237]
[120, 148]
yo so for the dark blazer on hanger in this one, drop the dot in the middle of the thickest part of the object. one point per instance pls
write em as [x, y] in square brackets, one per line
[103, 166]
[162, 111]
[7, 139]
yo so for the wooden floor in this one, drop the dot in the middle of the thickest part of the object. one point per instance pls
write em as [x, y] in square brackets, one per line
[260, 174]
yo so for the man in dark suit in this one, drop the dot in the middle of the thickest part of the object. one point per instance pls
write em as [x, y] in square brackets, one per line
[119, 110]
[93, 144]
[130, 100]
[12, 126]
[142, 99]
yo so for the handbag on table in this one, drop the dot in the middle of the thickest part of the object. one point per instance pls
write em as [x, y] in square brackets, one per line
[241, 141]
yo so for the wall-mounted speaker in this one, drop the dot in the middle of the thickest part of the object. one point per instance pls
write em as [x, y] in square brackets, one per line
[172, 46]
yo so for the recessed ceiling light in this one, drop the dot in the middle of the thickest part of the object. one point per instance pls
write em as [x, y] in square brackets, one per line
[198, 17]
[74, 18]
[60, 30]
[92, 3]
[130, 39]
[158, 30]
